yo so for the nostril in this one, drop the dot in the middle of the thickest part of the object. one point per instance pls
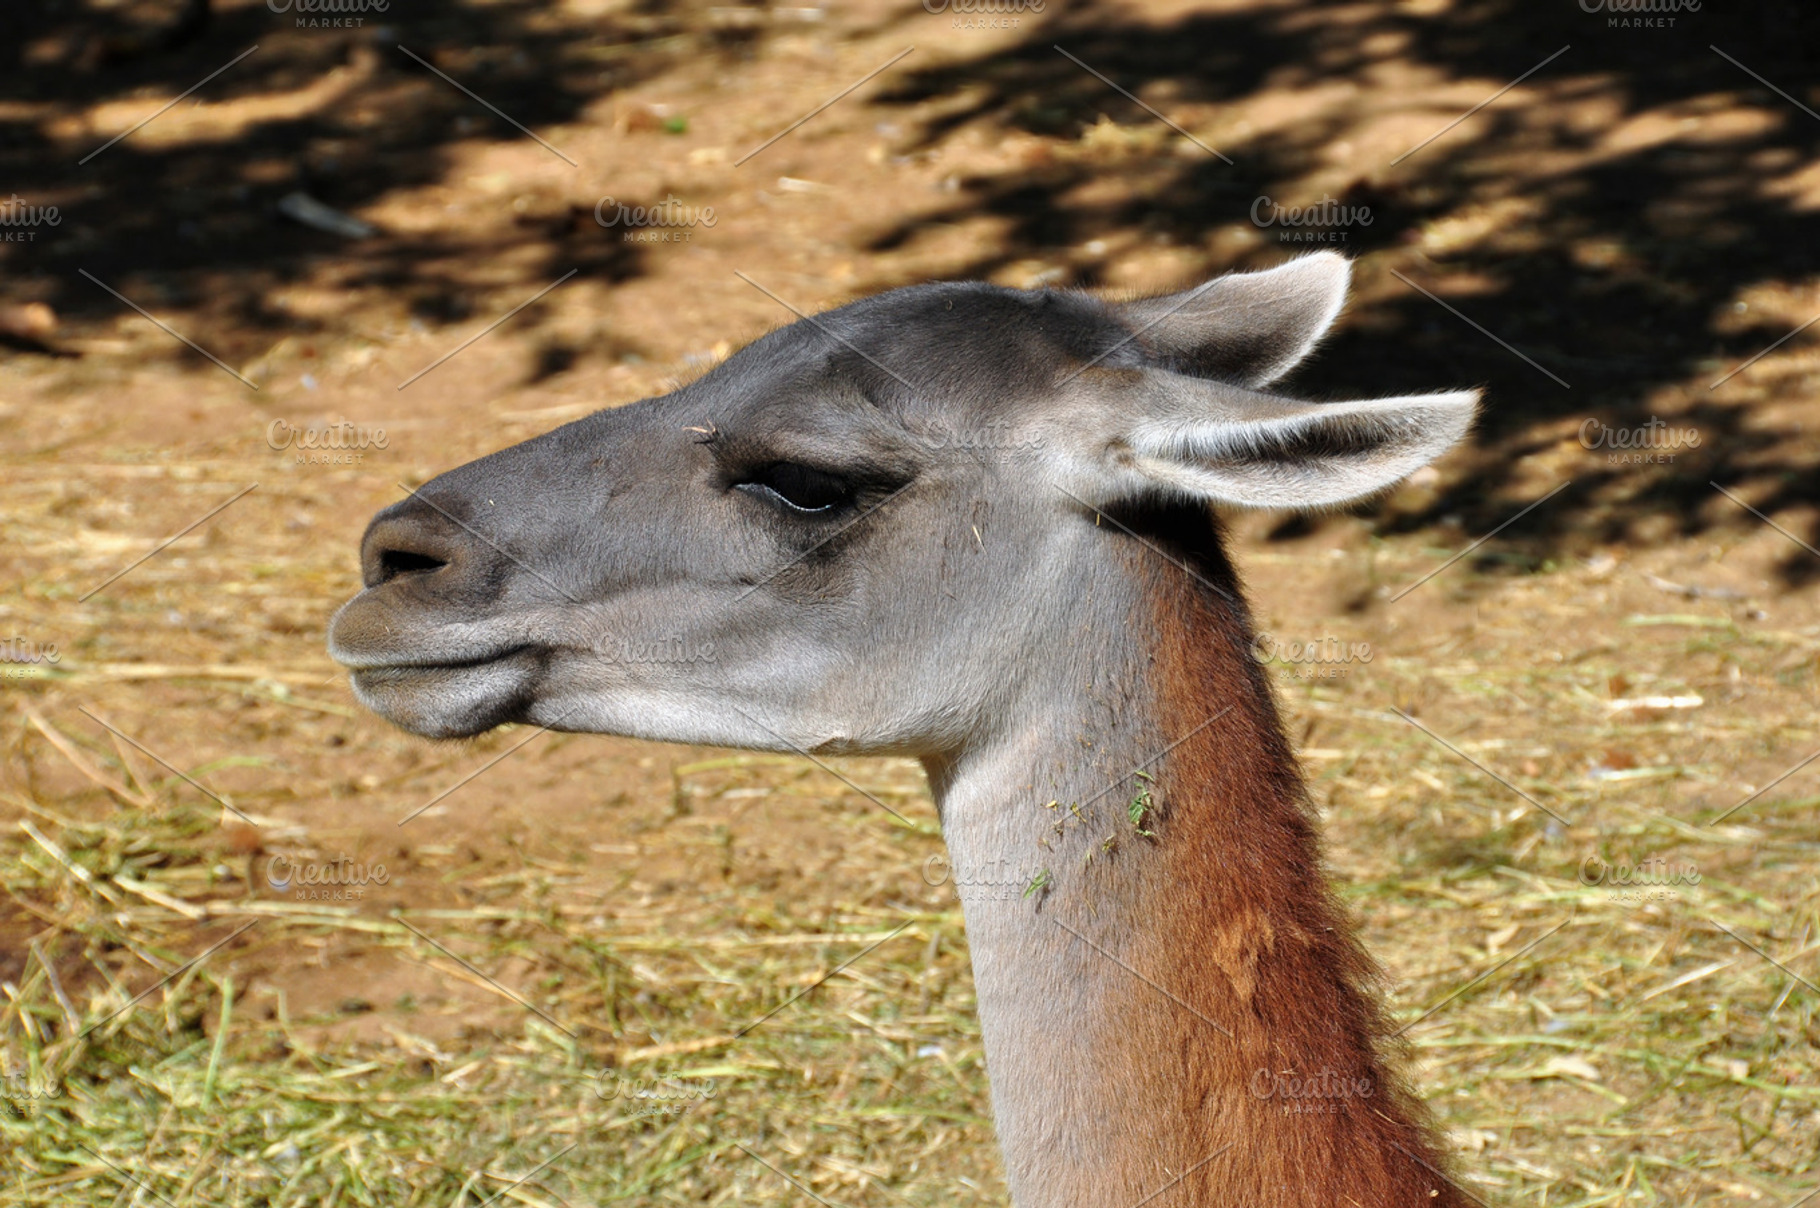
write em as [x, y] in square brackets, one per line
[396, 562]
[410, 543]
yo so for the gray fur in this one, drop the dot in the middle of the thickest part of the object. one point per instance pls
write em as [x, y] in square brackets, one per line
[970, 607]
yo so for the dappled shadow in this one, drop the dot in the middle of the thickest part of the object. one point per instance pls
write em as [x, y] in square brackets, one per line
[1609, 248]
[1633, 220]
[186, 213]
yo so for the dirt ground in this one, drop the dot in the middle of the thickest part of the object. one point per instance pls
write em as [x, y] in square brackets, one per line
[1621, 242]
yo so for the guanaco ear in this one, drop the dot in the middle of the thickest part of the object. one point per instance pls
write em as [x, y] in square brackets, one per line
[1246, 328]
[1165, 433]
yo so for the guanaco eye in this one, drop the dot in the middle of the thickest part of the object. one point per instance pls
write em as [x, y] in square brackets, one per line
[798, 487]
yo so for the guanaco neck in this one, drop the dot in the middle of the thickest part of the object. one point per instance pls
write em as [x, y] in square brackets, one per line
[1169, 994]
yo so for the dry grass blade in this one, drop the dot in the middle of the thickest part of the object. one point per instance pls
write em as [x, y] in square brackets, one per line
[82, 764]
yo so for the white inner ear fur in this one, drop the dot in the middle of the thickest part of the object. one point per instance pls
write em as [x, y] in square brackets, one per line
[1288, 454]
[1318, 282]
[1255, 326]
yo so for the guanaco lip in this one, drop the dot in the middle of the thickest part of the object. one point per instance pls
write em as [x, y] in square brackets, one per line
[457, 664]
[372, 633]
[450, 699]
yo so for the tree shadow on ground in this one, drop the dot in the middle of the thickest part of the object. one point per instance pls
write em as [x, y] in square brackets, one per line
[1614, 252]
[1601, 225]
[343, 109]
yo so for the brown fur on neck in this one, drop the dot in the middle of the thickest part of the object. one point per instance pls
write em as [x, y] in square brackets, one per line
[1229, 913]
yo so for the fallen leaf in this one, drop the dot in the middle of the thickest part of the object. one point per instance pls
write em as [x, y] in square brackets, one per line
[1568, 1066]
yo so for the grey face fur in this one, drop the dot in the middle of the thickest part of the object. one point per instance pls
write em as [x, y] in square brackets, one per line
[848, 537]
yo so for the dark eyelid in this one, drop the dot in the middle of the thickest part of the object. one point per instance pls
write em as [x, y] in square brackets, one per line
[759, 488]
[804, 489]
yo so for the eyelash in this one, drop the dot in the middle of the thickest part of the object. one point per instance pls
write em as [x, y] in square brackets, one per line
[787, 482]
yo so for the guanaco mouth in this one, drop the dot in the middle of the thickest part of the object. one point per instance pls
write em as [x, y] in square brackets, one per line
[446, 664]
